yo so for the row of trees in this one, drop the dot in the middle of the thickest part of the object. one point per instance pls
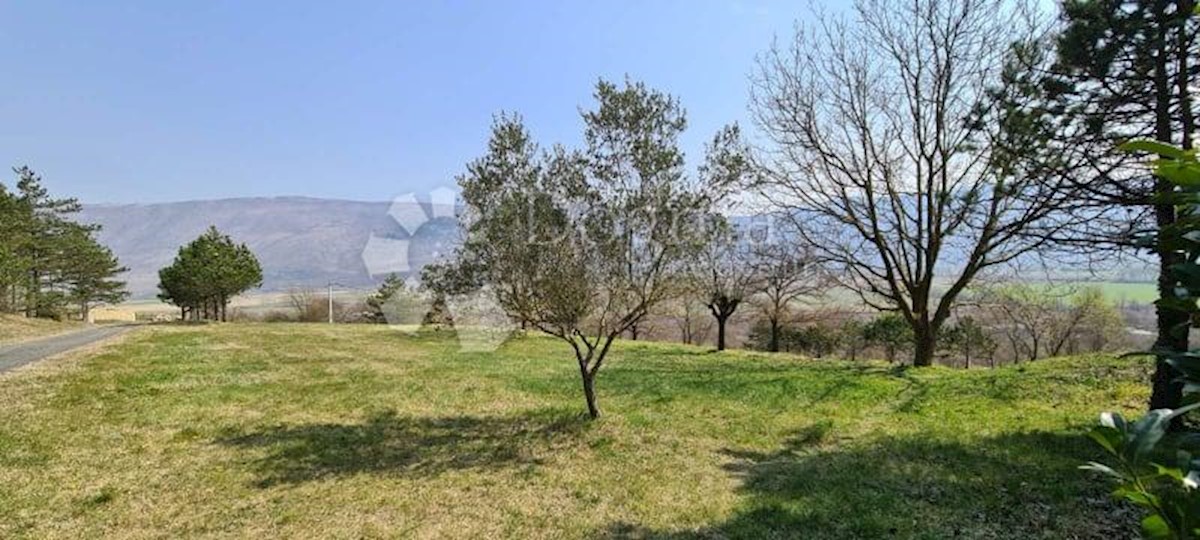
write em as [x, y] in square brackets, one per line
[747, 265]
[206, 274]
[1015, 322]
[917, 146]
[912, 148]
[50, 265]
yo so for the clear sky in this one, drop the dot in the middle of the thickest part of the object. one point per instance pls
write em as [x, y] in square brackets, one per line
[157, 101]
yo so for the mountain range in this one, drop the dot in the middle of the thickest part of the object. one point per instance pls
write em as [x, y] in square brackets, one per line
[300, 242]
[308, 242]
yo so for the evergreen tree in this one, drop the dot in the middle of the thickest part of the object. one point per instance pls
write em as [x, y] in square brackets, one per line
[207, 273]
[11, 267]
[43, 223]
[1124, 70]
[48, 261]
[377, 303]
[89, 274]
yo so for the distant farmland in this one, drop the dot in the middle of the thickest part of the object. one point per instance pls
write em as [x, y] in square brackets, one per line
[1140, 293]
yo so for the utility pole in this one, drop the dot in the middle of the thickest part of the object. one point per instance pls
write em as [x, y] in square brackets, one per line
[330, 302]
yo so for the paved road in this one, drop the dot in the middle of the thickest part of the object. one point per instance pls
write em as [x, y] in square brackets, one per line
[18, 354]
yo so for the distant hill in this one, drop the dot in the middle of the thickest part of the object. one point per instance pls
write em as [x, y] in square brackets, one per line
[306, 242]
[299, 241]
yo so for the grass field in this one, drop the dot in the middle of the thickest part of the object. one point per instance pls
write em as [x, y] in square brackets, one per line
[1141, 293]
[15, 328]
[362, 432]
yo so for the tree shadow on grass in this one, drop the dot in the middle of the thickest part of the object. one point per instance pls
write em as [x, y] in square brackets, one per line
[1014, 486]
[390, 444]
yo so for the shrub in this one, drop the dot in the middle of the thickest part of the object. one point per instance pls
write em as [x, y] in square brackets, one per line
[889, 332]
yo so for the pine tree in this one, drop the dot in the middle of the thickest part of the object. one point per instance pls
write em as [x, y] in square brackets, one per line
[1123, 70]
[207, 273]
[43, 225]
[11, 267]
[48, 261]
[89, 275]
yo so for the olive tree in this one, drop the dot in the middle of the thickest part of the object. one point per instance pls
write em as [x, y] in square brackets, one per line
[727, 278]
[727, 275]
[582, 244]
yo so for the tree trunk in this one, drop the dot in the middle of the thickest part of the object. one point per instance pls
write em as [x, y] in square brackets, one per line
[1172, 324]
[633, 332]
[721, 332]
[774, 345]
[1165, 392]
[589, 392]
[31, 296]
[923, 345]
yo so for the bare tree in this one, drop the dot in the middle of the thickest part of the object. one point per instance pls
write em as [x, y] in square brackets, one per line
[1048, 320]
[782, 276]
[881, 136]
[728, 277]
[1031, 318]
[306, 304]
[692, 319]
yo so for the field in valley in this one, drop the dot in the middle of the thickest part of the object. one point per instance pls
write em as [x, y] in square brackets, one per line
[361, 431]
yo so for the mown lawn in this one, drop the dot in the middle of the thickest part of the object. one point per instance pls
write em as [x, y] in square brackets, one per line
[361, 432]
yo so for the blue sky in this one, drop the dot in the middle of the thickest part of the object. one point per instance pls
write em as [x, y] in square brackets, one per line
[160, 101]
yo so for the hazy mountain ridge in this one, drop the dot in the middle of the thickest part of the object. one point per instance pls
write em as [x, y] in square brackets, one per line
[299, 241]
[308, 242]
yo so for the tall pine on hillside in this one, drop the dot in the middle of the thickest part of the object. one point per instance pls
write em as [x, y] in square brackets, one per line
[1124, 70]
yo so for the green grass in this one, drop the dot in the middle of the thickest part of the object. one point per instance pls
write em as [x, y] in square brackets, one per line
[362, 432]
[14, 328]
[1141, 293]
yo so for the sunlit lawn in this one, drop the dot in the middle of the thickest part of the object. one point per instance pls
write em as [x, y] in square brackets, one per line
[360, 431]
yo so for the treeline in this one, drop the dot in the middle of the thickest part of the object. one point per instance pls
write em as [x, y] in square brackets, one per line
[51, 265]
[903, 183]
[1013, 323]
[206, 274]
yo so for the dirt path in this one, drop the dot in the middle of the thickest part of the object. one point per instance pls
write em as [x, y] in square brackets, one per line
[18, 354]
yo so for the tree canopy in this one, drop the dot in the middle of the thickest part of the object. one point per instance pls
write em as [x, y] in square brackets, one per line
[50, 264]
[207, 273]
[582, 244]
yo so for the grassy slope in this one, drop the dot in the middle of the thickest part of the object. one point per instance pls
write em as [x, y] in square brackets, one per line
[15, 328]
[312, 431]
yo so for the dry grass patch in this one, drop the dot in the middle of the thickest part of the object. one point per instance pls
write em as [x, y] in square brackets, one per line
[15, 328]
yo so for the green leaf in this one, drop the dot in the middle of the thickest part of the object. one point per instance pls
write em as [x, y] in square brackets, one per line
[1108, 438]
[1154, 526]
[1153, 147]
[1146, 433]
[1180, 173]
[1136, 496]
[1169, 472]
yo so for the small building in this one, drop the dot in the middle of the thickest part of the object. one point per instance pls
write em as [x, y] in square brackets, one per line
[111, 314]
